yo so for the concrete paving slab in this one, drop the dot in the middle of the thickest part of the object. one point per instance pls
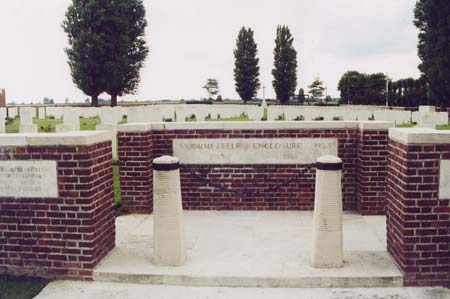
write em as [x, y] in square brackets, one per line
[105, 290]
[252, 249]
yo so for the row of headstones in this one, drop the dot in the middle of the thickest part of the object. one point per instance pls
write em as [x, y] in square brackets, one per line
[110, 117]
[168, 226]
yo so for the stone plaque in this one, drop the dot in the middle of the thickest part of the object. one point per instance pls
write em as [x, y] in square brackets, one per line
[444, 180]
[28, 179]
[254, 150]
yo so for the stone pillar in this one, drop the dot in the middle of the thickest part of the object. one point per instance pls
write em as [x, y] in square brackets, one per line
[71, 120]
[168, 225]
[2, 120]
[327, 230]
[26, 121]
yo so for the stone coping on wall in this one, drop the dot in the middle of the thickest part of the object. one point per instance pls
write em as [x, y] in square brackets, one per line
[419, 136]
[67, 138]
[256, 125]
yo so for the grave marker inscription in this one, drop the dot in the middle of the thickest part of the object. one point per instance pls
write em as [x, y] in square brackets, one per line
[29, 179]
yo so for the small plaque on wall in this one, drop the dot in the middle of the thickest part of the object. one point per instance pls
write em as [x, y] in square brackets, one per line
[29, 179]
[444, 180]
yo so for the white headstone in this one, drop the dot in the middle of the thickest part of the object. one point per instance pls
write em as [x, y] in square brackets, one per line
[327, 230]
[71, 120]
[26, 121]
[168, 226]
[427, 109]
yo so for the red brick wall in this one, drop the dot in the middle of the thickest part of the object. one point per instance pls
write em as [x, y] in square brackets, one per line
[136, 175]
[372, 171]
[246, 179]
[418, 223]
[64, 237]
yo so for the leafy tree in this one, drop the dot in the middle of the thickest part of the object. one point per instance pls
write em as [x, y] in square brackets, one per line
[106, 46]
[351, 85]
[211, 87]
[84, 25]
[48, 101]
[301, 96]
[127, 49]
[285, 65]
[246, 69]
[316, 88]
[432, 20]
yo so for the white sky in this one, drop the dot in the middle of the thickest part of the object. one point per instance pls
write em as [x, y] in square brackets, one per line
[192, 40]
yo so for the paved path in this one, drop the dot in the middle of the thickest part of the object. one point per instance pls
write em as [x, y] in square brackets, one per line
[107, 290]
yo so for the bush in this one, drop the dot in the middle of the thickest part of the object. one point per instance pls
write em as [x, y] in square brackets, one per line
[281, 117]
[372, 117]
[338, 118]
[208, 116]
[218, 116]
[299, 118]
[318, 118]
[167, 120]
[191, 117]
[51, 117]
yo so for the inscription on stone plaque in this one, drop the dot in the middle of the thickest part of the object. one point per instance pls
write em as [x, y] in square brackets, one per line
[444, 180]
[254, 150]
[29, 179]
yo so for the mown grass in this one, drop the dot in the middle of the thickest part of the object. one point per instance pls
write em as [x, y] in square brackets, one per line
[48, 125]
[237, 118]
[116, 185]
[405, 125]
[12, 287]
[444, 127]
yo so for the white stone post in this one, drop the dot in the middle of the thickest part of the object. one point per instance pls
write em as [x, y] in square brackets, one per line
[327, 225]
[26, 121]
[168, 224]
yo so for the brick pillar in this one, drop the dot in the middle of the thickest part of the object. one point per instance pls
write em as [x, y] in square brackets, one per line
[418, 220]
[66, 236]
[135, 161]
[372, 167]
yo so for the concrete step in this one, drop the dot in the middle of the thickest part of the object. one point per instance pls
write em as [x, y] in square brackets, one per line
[97, 290]
[251, 249]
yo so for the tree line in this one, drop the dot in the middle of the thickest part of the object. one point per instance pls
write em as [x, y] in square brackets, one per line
[107, 49]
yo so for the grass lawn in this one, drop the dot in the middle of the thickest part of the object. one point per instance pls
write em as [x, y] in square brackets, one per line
[48, 125]
[116, 185]
[88, 124]
[444, 127]
[237, 118]
[20, 287]
[405, 125]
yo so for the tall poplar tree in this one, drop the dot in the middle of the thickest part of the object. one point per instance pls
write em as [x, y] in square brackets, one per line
[106, 46]
[84, 24]
[432, 18]
[246, 69]
[285, 65]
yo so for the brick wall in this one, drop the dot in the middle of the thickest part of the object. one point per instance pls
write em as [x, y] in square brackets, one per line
[64, 237]
[136, 174]
[418, 222]
[372, 171]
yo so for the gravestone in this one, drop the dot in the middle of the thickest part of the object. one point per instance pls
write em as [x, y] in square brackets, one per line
[26, 121]
[71, 121]
[327, 230]
[168, 225]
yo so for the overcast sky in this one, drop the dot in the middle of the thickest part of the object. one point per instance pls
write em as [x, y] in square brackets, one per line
[192, 40]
